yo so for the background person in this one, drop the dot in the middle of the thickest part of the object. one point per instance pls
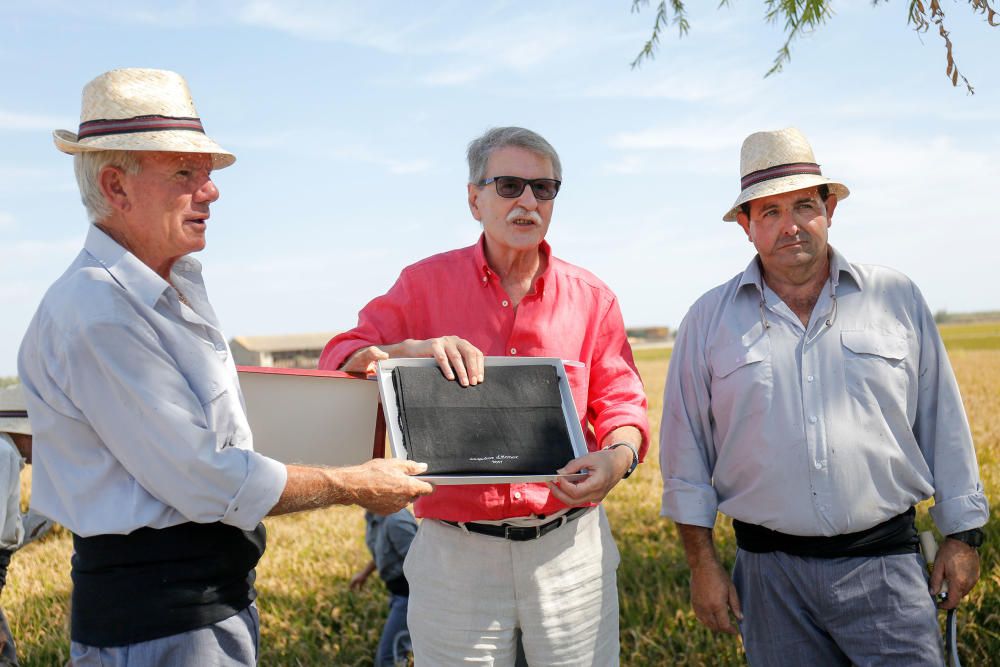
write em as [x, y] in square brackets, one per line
[494, 559]
[142, 446]
[388, 538]
[16, 529]
[812, 400]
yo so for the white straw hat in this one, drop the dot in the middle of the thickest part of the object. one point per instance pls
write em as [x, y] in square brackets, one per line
[775, 162]
[13, 412]
[140, 110]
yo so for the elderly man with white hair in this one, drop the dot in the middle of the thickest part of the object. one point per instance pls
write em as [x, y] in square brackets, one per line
[811, 400]
[142, 446]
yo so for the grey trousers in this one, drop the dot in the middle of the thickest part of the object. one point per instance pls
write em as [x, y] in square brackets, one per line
[837, 611]
[233, 642]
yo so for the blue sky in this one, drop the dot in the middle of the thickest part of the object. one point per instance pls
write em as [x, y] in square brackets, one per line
[350, 122]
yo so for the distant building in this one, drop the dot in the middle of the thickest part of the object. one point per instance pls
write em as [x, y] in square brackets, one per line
[286, 351]
[649, 336]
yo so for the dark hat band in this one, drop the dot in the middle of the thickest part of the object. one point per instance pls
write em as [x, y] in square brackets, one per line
[13, 414]
[153, 123]
[792, 169]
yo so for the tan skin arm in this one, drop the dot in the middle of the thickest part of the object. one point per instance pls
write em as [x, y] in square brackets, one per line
[713, 595]
[359, 579]
[457, 358]
[958, 564]
[383, 486]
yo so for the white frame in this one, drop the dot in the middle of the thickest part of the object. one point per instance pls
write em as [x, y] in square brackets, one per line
[387, 392]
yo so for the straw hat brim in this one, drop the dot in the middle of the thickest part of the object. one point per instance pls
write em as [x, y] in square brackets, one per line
[169, 141]
[781, 185]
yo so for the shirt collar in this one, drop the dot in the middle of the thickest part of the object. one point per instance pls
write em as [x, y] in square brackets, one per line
[485, 275]
[124, 267]
[838, 267]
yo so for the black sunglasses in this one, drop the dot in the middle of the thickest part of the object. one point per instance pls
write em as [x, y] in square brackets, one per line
[511, 187]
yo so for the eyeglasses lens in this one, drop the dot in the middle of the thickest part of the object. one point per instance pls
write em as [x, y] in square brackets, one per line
[512, 186]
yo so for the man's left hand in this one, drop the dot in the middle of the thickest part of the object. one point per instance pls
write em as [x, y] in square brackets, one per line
[958, 564]
[606, 468]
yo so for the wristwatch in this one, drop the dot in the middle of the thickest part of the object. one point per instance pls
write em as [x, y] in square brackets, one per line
[973, 537]
[635, 457]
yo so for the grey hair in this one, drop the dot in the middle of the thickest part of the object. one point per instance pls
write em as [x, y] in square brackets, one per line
[88, 166]
[482, 147]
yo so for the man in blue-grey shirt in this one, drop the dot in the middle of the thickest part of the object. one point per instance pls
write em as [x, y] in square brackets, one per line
[141, 443]
[812, 400]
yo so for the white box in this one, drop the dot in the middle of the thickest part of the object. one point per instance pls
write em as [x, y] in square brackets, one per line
[389, 406]
[313, 417]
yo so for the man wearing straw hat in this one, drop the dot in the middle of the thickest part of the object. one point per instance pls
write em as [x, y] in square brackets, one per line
[16, 529]
[811, 400]
[141, 443]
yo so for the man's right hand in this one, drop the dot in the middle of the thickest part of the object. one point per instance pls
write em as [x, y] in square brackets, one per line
[385, 486]
[457, 358]
[713, 595]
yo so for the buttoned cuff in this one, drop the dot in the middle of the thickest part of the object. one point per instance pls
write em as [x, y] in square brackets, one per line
[692, 504]
[260, 492]
[957, 514]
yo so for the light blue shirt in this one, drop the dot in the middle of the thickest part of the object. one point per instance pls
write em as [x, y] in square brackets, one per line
[135, 404]
[824, 429]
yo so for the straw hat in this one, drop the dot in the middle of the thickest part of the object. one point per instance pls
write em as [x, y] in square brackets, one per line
[13, 414]
[140, 110]
[775, 162]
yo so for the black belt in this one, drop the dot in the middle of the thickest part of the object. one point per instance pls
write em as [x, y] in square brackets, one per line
[520, 533]
[894, 536]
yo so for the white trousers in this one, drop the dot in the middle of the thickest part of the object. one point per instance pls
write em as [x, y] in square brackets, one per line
[469, 593]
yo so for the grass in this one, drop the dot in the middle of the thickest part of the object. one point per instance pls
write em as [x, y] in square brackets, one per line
[309, 617]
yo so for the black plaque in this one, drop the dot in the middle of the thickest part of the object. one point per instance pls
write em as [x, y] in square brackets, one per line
[511, 424]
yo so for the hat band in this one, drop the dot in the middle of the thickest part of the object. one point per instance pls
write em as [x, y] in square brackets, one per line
[13, 414]
[152, 123]
[792, 169]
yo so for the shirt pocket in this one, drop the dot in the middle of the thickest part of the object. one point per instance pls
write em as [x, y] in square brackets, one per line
[216, 402]
[742, 379]
[875, 362]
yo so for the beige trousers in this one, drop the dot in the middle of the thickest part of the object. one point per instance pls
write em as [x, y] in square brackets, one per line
[469, 593]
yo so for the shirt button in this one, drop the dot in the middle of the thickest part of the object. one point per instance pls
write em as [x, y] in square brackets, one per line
[513, 350]
[484, 279]
[810, 378]
[504, 303]
[517, 495]
[812, 420]
[819, 466]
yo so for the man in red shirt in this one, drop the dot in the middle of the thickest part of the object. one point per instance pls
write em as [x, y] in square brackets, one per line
[474, 585]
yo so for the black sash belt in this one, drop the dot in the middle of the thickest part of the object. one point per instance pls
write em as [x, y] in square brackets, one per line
[155, 583]
[896, 536]
[521, 533]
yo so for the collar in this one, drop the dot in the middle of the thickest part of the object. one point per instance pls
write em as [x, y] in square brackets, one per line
[486, 275]
[126, 269]
[839, 266]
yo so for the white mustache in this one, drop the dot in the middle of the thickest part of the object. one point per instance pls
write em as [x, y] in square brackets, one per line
[524, 214]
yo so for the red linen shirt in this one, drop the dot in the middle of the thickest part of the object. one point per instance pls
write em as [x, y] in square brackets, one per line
[570, 314]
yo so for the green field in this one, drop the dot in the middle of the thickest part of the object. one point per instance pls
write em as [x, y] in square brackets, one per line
[309, 617]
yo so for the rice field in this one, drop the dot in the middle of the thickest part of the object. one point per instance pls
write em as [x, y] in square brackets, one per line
[310, 617]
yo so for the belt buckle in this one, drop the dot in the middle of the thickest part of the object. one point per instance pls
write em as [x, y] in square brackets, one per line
[520, 533]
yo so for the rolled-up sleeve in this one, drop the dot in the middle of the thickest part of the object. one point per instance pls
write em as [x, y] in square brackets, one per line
[615, 396]
[686, 439]
[942, 432]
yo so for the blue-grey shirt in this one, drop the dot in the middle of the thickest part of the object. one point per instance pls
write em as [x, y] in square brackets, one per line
[388, 539]
[135, 404]
[824, 429]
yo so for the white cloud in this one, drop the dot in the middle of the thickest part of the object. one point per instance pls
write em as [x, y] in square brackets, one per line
[6, 220]
[454, 75]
